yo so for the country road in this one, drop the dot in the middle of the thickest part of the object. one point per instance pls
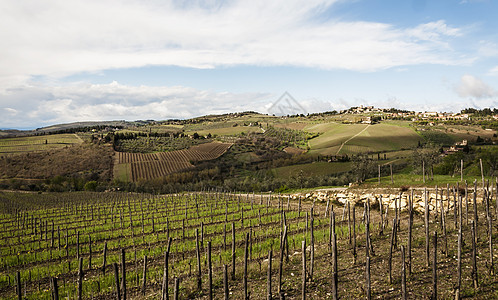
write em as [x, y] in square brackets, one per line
[340, 148]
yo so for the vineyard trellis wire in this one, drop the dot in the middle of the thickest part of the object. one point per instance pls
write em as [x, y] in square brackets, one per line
[44, 236]
[155, 165]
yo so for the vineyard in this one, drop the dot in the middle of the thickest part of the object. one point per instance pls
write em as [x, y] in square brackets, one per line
[142, 144]
[155, 165]
[241, 246]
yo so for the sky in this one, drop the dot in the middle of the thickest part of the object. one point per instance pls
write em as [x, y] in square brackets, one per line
[65, 60]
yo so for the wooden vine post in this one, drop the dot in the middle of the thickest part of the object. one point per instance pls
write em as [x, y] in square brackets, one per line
[123, 274]
[246, 256]
[268, 280]
[225, 282]
[354, 235]
[426, 220]
[404, 294]
[89, 252]
[367, 278]
[55, 288]
[434, 268]
[116, 278]
[459, 264]
[80, 279]
[335, 268]
[490, 243]
[104, 259]
[280, 267]
[312, 242]
[233, 251]
[198, 256]
[176, 290]
[410, 229]
[303, 284]
[18, 282]
[210, 270]
[144, 276]
[391, 249]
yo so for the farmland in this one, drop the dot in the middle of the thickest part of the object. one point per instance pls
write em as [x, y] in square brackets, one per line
[338, 138]
[9, 146]
[227, 130]
[209, 209]
[87, 240]
[143, 166]
[156, 144]
[449, 134]
[266, 153]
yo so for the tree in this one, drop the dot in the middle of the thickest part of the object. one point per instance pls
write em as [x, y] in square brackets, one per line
[363, 167]
[91, 186]
[489, 158]
[427, 157]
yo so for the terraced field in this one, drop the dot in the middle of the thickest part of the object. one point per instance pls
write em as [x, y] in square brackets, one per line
[136, 166]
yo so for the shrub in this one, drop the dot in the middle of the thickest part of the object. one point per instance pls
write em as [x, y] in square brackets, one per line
[91, 186]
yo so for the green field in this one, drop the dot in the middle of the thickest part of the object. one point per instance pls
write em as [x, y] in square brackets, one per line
[122, 172]
[312, 169]
[358, 138]
[37, 143]
[332, 136]
[449, 134]
[383, 137]
[417, 180]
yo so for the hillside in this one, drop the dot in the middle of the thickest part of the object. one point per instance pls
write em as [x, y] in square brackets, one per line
[64, 168]
[138, 166]
[29, 144]
[248, 151]
[338, 138]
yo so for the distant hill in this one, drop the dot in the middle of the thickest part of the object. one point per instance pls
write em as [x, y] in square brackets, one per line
[10, 132]
[60, 127]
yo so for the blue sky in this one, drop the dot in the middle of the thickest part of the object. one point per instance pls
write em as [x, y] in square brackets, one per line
[65, 61]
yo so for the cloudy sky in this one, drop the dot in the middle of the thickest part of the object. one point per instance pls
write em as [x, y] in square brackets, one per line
[67, 60]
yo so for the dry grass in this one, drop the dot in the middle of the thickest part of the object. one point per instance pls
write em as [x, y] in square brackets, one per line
[66, 161]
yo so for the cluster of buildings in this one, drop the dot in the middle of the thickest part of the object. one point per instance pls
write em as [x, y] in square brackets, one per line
[441, 116]
[459, 146]
[391, 113]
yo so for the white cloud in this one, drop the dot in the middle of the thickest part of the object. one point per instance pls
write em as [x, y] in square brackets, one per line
[473, 87]
[488, 49]
[493, 71]
[10, 111]
[434, 31]
[472, 1]
[61, 37]
[47, 105]
[114, 101]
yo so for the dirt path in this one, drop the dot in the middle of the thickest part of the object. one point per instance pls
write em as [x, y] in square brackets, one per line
[79, 138]
[340, 148]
